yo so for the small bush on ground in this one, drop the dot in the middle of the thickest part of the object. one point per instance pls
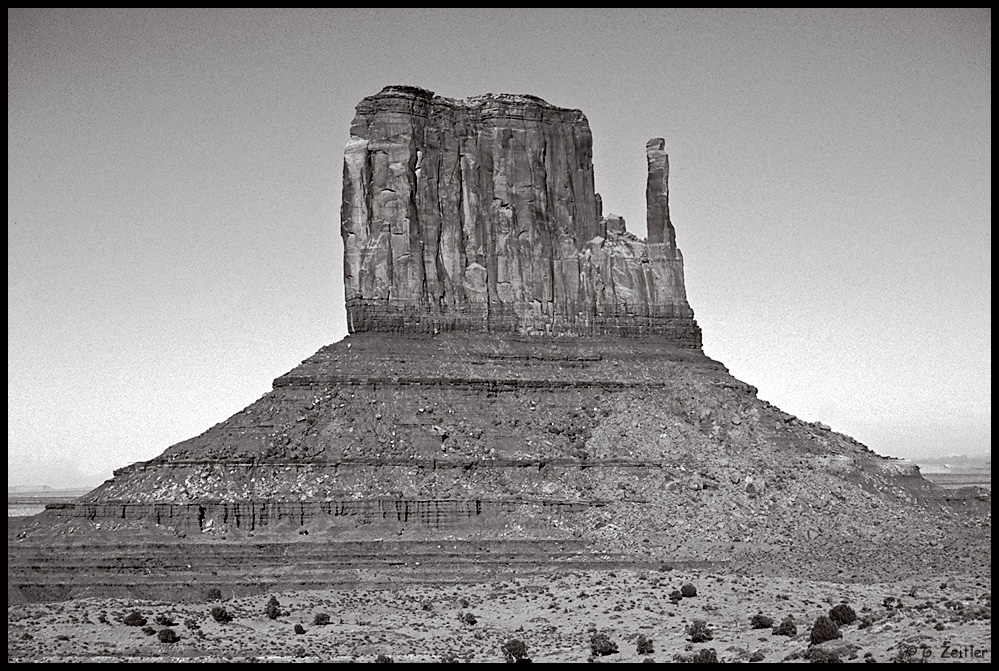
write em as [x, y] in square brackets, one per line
[842, 615]
[273, 608]
[761, 621]
[688, 591]
[214, 594]
[467, 618]
[644, 645]
[148, 631]
[221, 615]
[699, 632]
[165, 621]
[703, 656]
[787, 627]
[824, 630]
[134, 619]
[383, 659]
[299, 629]
[601, 644]
[822, 656]
[321, 619]
[168, 636]
[515, 650]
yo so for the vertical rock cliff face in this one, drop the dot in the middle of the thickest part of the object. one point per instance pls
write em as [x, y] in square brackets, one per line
[481, 215]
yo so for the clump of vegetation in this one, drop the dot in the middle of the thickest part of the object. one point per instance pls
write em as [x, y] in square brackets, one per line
[699, 632]
[168, 636]
[515, 651]
[165, 621]
[822, 656]
[757, 656]
[299, 629]
[134, 619]
[148, 631]
[602, 645]
[824, 630]
[214, 594]
[221, 615]
[787, 627]
[761, 621]
[675, 596]
[704, 656]
[321, 619]
[273, 608]
[467, 618]
[644, 645]
[191, 624]
[299, 652]
[383, 659]
[842, 615]
[688, 590]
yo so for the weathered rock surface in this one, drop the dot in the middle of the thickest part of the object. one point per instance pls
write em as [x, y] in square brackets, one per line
[481, 215]
[523, 383]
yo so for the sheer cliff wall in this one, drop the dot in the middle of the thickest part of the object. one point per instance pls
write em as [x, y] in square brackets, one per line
[481, 215]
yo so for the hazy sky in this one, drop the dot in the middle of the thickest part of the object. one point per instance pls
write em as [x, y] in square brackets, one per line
[173, 191]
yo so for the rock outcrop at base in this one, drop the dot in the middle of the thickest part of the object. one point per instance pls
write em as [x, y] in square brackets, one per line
[481, 215]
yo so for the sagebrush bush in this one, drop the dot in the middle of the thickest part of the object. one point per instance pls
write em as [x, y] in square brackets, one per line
[384, 659]
[644, 645]
[273, 608]
[842, 614]
[168, 636]
[787, 627]
[221, 615]
[761, 621]
[688, 590]
[703, 656]
[148, 631]
[601, 644]
[514, 650]
[134, 619]
[699, 632]
[467, 618]
[321, 619]
[165, 621]
[824, 629]
[299, 629]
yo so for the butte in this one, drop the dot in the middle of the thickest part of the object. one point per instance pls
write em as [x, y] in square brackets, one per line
[522, 389]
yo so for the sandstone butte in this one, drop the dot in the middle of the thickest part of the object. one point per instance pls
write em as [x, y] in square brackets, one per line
[522, 388]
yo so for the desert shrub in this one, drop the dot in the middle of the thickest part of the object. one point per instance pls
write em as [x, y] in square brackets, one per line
[601, 644]
[383, 659]
[427, 606]
[644, 645]
[299, 652]
[321, 619]
[515, 650]
[191, 624]
[148, 631]
[221, 615]
[787, 627]
[842, 615]
[688, 590]
[214, 594]
[675, 596]
[704, 656]
[699, 632]
[299, 629]
[824, 630]
[165, 621]
[467, 618]
[273, 608]
[822, 656]
[761, 621]
[134, 619]
[757, 656]
[168, 636]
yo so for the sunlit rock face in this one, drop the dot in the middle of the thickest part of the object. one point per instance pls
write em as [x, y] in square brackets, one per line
[481, 215]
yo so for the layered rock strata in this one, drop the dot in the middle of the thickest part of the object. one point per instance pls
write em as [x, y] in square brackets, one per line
[481, 215]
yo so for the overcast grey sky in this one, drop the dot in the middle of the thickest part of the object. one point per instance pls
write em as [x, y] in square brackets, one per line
[174, 177]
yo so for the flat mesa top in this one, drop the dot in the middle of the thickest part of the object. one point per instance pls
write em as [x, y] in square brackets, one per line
[411, 92]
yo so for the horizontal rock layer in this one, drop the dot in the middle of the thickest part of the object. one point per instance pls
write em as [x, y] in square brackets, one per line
[481, 215]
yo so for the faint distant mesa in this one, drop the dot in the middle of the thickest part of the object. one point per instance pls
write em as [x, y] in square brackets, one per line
[481, 215]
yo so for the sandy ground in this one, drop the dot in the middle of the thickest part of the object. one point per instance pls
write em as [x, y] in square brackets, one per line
[939, 618]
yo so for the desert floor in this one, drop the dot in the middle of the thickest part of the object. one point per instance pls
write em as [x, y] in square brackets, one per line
[939, 618]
